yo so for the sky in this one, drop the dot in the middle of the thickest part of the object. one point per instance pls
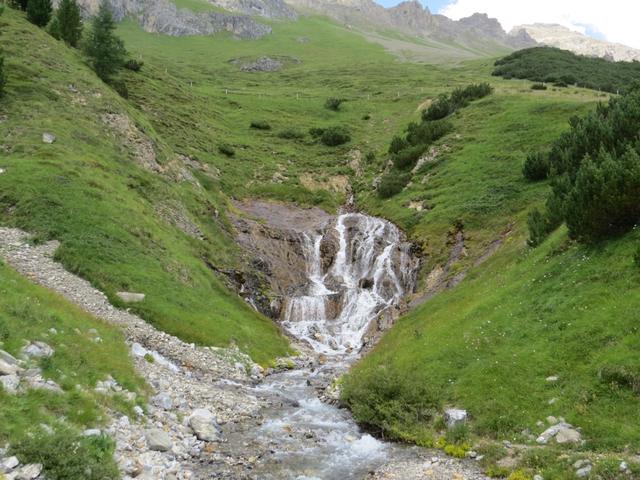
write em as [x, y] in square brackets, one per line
[614, 20]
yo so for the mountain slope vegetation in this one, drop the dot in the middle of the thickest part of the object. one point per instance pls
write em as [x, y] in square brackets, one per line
[129, 214]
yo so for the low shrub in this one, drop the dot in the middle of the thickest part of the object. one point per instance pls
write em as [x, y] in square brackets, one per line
[334, 103]
[133, 65]
[316, 132]
[536, 167]
[260, 125]
[67, 456]
[121, 87]
[226, 149]
[366, 117]
[519, 475]
[291, 134]
[445, 105]
[334, 136]
[426, 133]
[371, 156]
[397, 144]
[440, 108]
[406, 159]
[392, 184]
[538, 86]
[539, 228]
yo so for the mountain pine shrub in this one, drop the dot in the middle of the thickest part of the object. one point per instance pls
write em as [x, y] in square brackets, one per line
[536, 167]
[334, 136]
[334, 103]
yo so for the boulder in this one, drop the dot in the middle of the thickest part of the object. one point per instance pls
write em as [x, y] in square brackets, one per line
[7, 368]
[162, 400]
[158, 440]
[584, 472]
[29, 472]
[8, 464]
[568, 435]
[8, 358]
[92, 432]
[10, 383]
[37, 349]
[204, 425]
[455, 416]
[130, 297]
[48, 138]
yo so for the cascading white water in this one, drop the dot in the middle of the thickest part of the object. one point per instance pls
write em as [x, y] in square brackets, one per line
[370, 272]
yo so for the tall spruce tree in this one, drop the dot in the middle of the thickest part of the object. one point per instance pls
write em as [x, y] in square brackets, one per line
[39, 12]
[103, 47]
[68, 22]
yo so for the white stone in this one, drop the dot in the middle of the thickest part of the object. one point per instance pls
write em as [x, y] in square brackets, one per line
[584, 472]
[538, 477]
[203, 424]
[455, 416]
[8, 358]
[7, 369]
[10, 383]
[162, 400]
[92, 432]
[37, 349]
[158, 440]
[48, 138]
[553, 378]
[130, 297]
[29, 472]
[568, 435]
[8, 464]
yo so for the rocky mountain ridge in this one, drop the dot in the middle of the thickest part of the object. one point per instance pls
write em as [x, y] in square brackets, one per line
[410, 17]
[562, 37]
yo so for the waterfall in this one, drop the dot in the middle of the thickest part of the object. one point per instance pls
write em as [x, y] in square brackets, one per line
[371, 270]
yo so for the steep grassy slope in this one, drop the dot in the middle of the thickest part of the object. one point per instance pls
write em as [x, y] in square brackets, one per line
[29, 313]
[122, 226]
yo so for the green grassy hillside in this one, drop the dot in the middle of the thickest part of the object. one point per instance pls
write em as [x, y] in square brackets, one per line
[116, 220]
[29, 313]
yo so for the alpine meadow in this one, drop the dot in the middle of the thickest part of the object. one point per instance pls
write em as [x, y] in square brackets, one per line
[328, 240]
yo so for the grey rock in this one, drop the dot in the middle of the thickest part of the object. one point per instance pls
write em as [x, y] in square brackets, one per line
[158, 440]
[8, 464]
[37, 349]
[92, 432]
[624, 467]
[48, 138]
[584, 471]
[455, 416]
[578, 464]
[8, 358]
[7, 369]
[551, 420]
[553, 378]
[538, 477]
[129, 297]
[138, 411]
[162, 400]
[29, 472]
[263, 64]
[568, 435]
[10, 383]
[204, 425]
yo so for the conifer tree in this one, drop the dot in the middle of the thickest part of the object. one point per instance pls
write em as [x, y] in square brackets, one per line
[3, 75]
[39, 12]
[69, 23]
[104, 48]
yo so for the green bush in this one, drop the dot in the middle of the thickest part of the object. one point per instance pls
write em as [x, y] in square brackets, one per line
[260, 125]
[226, 149]
[389, 399]
[536, 167]
[67, 23]
[370, 156]
[551, 65]
[291, 134]
[538, 228]
[397, 144]
[392, 183]
[445, 105]
[120, 86]
[440, 108]
[334, 103]
[316, 132]
[105, 50]
[67, 456]
[538, 86]
[426, 133]
[334, 136]
[406, 159]
[133, 65]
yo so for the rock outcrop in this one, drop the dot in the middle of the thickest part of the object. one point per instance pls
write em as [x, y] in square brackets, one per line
[562, 37]
[410, 17]
[162, 16]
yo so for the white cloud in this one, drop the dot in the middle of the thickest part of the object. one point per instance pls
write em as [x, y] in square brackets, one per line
[616, 20]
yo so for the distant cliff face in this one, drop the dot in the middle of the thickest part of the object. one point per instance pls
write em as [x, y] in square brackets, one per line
[162, 16]
[562, 37]
[412, 18]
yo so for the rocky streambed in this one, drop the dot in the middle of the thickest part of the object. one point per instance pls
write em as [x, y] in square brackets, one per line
[215, 414]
